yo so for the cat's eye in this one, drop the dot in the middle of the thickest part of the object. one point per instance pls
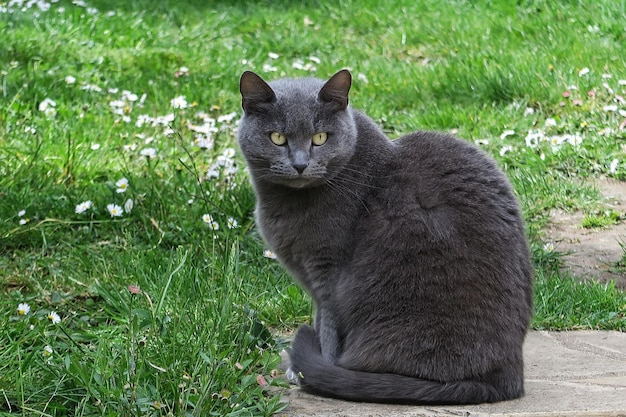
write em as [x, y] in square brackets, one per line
[320, 138]
[278, 138]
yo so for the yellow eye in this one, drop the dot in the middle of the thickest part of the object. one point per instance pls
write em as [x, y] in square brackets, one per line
[320, 138]
[278, 138]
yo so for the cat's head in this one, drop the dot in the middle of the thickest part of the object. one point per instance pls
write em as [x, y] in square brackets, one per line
[298, 133]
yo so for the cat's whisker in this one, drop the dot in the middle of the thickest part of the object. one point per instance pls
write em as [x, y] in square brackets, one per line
[346, 178]
[360, 171]
[347, 193]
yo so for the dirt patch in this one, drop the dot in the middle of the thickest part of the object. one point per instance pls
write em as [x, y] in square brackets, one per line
[592, 253]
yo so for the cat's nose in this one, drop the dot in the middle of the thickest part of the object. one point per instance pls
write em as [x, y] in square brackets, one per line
[300, 167]
[299, 160]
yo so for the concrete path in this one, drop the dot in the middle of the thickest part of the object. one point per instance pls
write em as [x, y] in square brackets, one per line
[581, 373]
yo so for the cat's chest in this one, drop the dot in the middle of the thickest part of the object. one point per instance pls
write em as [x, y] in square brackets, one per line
[309, 239]
[299, 232]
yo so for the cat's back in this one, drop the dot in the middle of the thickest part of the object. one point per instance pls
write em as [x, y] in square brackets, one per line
[440, 170]
[445, 199]
[442, 238]
[437, 155]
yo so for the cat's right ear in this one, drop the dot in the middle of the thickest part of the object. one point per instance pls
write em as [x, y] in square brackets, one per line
[255, 93]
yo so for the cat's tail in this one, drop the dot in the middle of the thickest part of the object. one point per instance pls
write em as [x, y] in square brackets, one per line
[318, 376]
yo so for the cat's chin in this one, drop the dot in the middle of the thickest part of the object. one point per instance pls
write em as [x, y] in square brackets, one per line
[300, 182]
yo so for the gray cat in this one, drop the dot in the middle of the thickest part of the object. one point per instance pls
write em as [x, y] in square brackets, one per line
[413, 250]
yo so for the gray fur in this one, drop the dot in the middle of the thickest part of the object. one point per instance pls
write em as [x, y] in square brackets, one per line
[413, 250]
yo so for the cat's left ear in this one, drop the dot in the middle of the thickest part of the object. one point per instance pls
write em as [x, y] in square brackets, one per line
[255, 93]
[336, 89]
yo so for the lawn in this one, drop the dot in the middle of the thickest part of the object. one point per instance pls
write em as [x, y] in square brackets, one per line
[132, 278]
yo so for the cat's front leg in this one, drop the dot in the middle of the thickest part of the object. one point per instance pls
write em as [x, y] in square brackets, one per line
[330, 345]
[285, 366]
[328, 333]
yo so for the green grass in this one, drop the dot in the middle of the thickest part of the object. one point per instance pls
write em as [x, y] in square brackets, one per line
[198, 336]
[564, 302]
[602, 218]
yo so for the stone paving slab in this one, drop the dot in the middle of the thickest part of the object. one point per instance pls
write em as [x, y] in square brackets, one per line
[568, 374]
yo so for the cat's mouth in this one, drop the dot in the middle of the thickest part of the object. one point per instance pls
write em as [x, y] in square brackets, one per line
[302, 183]
[290, 178]
[299, 181]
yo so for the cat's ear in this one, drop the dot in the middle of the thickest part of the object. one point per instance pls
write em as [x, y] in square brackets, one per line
[255, 93]
[336, 89]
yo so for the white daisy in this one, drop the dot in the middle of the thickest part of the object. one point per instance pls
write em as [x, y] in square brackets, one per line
[83, 207]
[506, 133]
[208, 219]
[229, 153]
[115, 210]
[269, 254]
[128, 205]
[505, 149]
[225, 118]
[23, 309]
[46, 104]
[122, 185]
[179, 102]
[232, 223]
[148, 153]
[550, 122]
[54, 317]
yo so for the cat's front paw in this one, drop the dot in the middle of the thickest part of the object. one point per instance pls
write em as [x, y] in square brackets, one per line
[285, 366]
[292, 376]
